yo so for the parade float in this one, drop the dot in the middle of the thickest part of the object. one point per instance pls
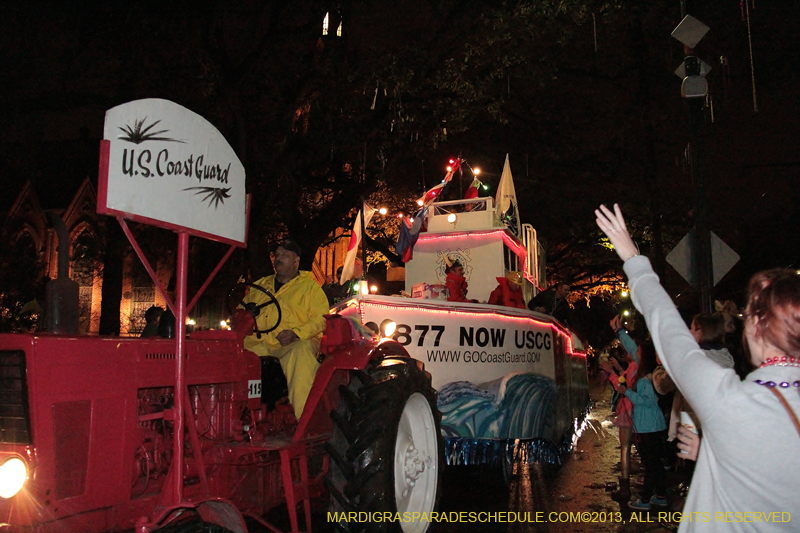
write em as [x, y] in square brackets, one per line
[509, 380]
[101, 434]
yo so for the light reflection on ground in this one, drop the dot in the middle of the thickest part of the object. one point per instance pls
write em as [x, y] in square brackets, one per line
[583, 484]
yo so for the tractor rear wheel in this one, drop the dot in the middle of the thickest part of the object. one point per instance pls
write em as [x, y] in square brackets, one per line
[386, 450]
[194, 526]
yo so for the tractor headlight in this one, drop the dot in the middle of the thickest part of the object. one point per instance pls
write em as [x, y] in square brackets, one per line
[388, 327]
[13, 475]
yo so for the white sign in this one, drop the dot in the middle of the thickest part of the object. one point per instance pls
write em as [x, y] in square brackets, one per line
[500, 372]
[466, 342]
[690, 31]
[254, 388]
[166, 165]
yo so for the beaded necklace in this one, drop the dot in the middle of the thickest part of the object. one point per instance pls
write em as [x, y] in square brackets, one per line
[782, 361]
[779, 361]
[782, 384]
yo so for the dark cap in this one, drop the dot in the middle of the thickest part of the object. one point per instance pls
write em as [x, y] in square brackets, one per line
[289, 245]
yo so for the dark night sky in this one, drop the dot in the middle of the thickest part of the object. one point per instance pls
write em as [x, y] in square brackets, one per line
[61, 66]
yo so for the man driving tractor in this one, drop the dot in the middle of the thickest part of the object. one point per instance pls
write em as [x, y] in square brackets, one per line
[296, 340]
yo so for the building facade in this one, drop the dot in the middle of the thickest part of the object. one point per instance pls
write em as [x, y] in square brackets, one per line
[31, 240]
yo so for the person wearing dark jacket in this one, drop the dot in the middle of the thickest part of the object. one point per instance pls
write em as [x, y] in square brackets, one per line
[553, 302]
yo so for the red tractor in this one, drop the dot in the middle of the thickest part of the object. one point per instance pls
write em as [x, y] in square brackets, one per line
[88, 429]
[112, 434]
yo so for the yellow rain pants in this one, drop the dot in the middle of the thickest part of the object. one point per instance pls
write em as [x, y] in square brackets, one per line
[303, 304]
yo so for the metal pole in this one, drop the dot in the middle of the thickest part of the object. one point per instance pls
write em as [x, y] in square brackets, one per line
[363, 243]
[695, 89]
[702, 249]
[180, 372]
[461, 182]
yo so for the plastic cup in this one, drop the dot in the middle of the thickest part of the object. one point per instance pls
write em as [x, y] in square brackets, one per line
[688, 422]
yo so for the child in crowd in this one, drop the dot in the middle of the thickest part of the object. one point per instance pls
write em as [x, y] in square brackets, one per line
[650, 428]
[619, 377]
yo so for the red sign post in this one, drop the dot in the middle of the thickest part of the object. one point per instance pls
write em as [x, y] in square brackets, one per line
[163, 165]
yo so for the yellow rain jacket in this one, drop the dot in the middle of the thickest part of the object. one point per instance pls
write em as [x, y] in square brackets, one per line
[303, 304]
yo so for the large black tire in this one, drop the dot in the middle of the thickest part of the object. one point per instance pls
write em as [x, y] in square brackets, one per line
[194, 526]
[386, 450]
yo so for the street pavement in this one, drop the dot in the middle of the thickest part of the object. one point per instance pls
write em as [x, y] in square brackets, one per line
[584, 482]
[576, 499]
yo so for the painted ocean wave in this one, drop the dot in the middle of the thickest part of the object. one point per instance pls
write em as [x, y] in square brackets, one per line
[516, 406]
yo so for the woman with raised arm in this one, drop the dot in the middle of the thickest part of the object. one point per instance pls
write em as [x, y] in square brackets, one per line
[619, 377]
[747, 468]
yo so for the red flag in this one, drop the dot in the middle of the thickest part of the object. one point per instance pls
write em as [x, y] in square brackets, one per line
[472, 191]
[435, 191]
[432, 193]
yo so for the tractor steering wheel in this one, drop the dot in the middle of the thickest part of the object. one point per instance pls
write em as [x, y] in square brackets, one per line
[255, 309]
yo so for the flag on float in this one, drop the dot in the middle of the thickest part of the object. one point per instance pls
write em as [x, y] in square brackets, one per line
[506, 207]
[355, 239]
[409, 233]
[472, 191]
[436, 191]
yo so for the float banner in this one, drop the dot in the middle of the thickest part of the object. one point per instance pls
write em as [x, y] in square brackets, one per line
[501, 373]
[463, 342]
[166, 165]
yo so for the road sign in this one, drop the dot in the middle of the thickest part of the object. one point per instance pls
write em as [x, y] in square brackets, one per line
[723, 258]
[705, 68]
[690, 31]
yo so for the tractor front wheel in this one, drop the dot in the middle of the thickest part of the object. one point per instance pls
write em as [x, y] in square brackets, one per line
[386, 447]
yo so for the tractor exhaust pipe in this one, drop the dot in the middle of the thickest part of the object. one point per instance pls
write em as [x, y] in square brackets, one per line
[62, 309]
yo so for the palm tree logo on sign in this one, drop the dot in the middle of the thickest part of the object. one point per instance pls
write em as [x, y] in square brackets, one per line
[161, 161]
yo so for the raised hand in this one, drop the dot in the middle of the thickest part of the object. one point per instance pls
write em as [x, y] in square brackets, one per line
[605, 365]
[613, 225]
